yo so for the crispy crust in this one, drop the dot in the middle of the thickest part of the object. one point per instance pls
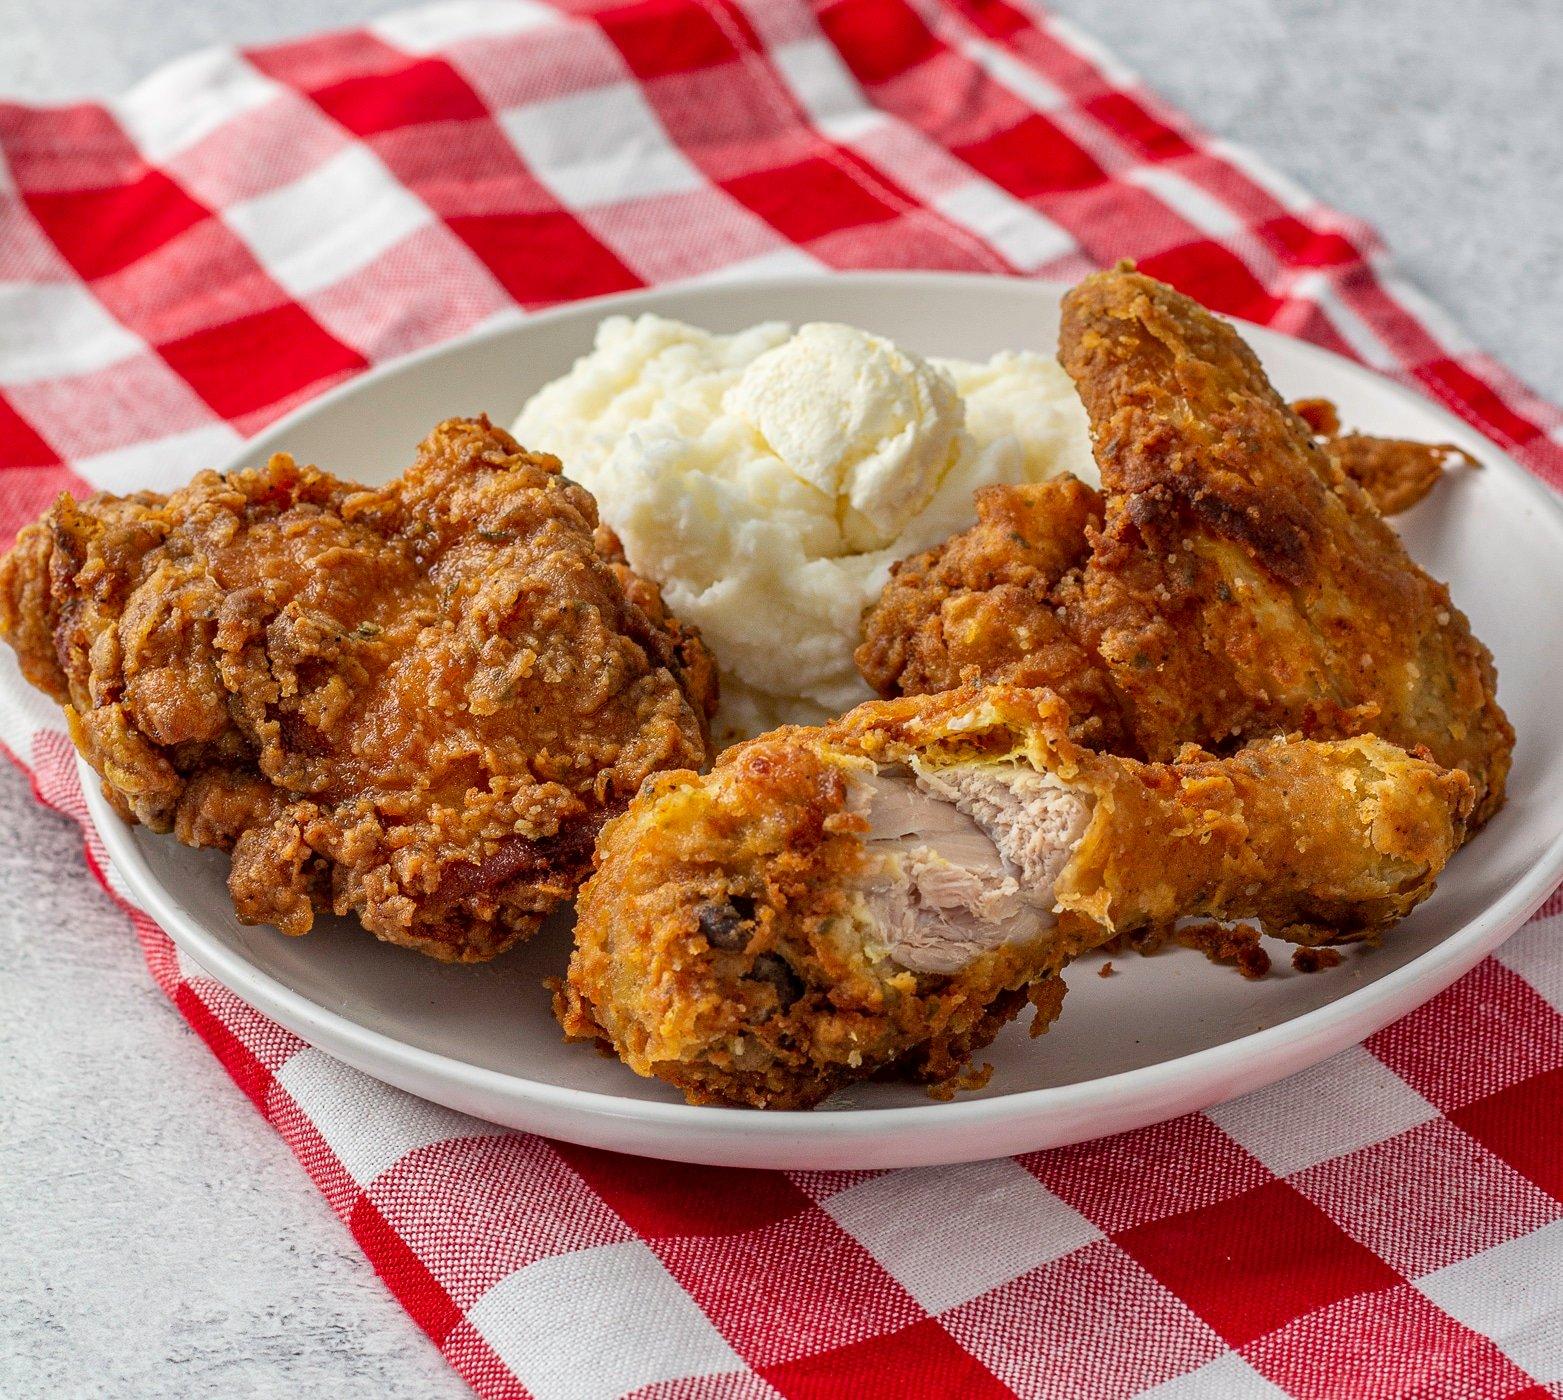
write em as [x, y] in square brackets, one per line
[414, 704]
[1238, 583]
[1242, 584]
[1395, 473]
[980, 606]
[720, 944]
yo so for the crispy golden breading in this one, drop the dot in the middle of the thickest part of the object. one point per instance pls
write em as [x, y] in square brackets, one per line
[685, 654]
[979, 606]
[1240, 584]
[413, 703]
[982, 603]
[1395, 472]
[733, 939]
[1227, 945]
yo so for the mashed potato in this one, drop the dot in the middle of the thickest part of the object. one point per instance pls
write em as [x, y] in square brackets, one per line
[1026, 396]
[767, 480]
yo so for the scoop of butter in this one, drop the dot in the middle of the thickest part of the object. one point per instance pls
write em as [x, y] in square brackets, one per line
[871, 426]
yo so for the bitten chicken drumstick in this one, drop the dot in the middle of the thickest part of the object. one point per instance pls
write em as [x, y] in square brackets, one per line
[881, 893]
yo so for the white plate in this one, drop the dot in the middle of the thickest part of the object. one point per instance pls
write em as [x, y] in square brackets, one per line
[1163, 1036]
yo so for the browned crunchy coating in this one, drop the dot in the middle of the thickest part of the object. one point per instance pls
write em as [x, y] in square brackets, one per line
[1235, 946]
[1395, 472]
[1315, 959]
[413, 703]
[724, 945]
[966, 1080]
[685, 655]
[1240, 583]
[978, 606]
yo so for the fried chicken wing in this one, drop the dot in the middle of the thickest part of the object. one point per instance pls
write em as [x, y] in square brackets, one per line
[1241, 583]
[882, 893]
[1396, 473]
[415, 703]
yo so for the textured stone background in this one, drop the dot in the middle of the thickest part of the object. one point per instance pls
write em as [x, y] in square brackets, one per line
[155, 1236]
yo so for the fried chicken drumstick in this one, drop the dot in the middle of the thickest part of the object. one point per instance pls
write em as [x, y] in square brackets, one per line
[1232, 581]
[880, 894]
[413, 703]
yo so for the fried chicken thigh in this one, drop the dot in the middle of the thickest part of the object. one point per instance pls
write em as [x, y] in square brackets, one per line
[1234, 581]
[413, 703]
[883, 893]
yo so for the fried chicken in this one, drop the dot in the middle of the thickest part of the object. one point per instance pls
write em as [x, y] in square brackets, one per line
[414, 703]
[981, 606]
[1396, 473]
[1237, 581]
[881, 894]
[978, 606]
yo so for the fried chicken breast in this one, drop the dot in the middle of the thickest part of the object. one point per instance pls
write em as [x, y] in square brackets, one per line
[881, 894]
[413, 703]
[1235, 580]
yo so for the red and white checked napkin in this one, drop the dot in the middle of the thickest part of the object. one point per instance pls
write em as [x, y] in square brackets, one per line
[247, 228]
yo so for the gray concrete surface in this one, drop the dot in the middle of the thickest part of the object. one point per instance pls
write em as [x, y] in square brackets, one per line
[155, 1236]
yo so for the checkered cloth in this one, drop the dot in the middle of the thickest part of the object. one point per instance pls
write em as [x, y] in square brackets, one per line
[245, 229]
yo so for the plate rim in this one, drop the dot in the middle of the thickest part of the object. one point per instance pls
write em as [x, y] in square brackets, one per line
[1338, 1023]
[1453, 956]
